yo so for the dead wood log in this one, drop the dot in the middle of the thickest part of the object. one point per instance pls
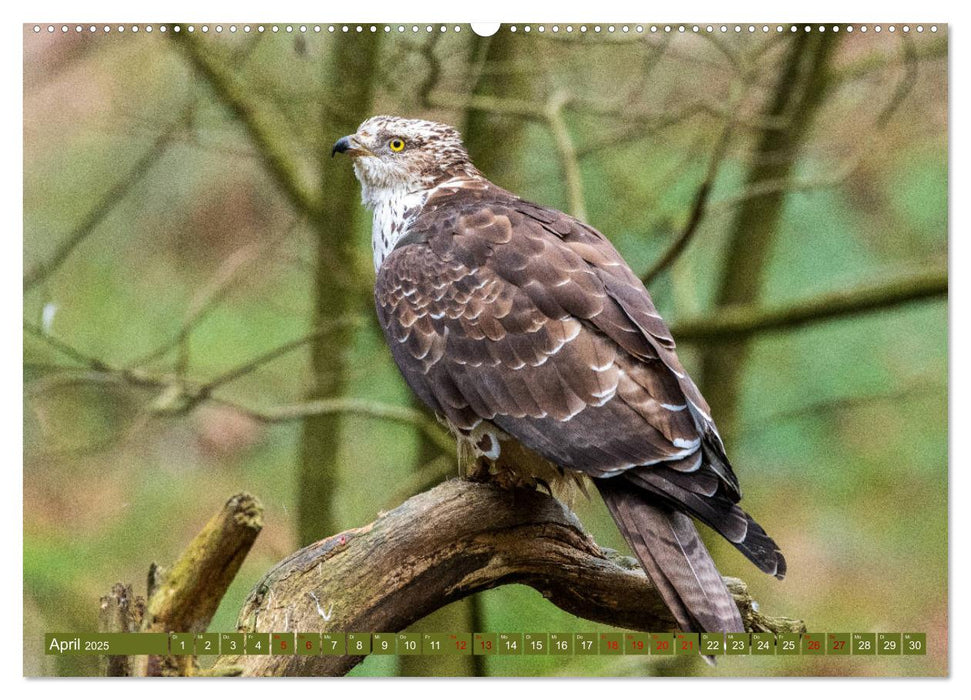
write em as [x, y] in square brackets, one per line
[456, 539]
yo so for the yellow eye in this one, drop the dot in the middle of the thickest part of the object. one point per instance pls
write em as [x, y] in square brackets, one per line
[396, 145]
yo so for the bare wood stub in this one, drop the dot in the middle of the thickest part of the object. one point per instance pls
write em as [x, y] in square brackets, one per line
[185, 597]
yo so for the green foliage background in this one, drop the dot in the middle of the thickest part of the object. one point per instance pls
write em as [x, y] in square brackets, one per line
[841, 446]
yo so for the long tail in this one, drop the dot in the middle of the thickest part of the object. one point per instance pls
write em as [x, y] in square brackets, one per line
[673, 555]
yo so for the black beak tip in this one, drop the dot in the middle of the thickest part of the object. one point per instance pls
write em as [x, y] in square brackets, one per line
[342, 145]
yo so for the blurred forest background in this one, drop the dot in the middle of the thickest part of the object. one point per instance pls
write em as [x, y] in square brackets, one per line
[198, 316]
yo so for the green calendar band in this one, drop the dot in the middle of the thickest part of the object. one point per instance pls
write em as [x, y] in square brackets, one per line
[489, 643]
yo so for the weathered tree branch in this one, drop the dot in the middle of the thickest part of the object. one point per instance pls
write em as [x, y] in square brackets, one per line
[440, 546]
[121, 611]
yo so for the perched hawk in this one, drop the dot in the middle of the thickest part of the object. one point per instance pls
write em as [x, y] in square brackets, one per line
[526, 332]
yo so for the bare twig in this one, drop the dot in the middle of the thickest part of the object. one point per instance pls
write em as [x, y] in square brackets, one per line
[354, 406]
[644, 76]
[789, 186]
[922, 388]
[60, 346]
[724, 47]
[680, 243]
[926, 49]
[528, 110]
[277, 352]
[42, 270]
[179, 395]
[483, 103]
[647, 125]
[741, 322]
[729, 323]
[568, 155]
[796, 96]
[210, 295]
[906, 83]
[284, 171]
[627, 135]
[434, 70]
[635, 116]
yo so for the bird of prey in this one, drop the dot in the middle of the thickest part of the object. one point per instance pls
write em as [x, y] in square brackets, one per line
[525, 331]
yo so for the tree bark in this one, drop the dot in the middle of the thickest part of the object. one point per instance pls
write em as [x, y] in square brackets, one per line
[121, 611]
[460, 615]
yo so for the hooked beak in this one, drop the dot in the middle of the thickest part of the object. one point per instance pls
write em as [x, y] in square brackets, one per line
[347, 145]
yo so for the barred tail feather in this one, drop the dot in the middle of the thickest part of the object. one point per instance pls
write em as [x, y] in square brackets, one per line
[674, 557]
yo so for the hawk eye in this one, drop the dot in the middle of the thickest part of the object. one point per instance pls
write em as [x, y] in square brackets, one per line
[397, 145]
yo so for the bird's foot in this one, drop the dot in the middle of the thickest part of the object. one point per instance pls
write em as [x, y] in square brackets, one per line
[480, 471]
[510, 480]
[485, 471]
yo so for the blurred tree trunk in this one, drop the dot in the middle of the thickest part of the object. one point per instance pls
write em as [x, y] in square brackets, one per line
[483, 133]
[351, 71]
[797, 96]
[496, 142]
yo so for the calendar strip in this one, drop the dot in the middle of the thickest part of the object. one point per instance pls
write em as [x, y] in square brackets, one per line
[490, 644]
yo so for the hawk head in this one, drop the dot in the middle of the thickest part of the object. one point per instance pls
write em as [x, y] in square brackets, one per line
[393, 153]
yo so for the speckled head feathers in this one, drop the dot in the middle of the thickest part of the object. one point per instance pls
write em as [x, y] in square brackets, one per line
[394, 152]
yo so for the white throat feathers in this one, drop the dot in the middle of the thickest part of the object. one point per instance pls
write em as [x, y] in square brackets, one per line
[395, 205]
[394, 208]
